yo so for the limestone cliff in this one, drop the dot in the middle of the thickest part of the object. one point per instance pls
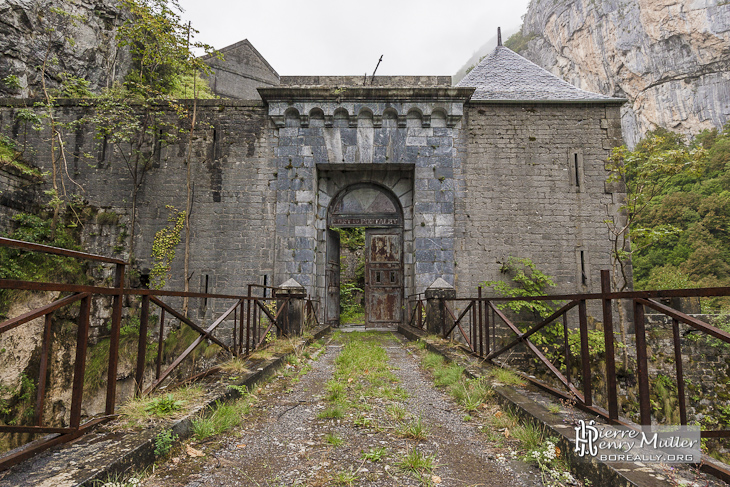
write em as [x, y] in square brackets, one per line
[670, 58]
[80, 41]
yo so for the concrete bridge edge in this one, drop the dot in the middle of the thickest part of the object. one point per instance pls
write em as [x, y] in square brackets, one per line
[599, 473]
[141, 445]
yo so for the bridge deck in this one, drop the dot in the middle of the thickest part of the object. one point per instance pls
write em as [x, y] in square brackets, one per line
[286, 440]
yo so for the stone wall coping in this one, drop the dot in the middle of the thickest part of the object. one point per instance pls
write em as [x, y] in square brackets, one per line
[291, 284]
[587, 102]
[73, 102]
[359, 80]
[440, 284]
[364, 93]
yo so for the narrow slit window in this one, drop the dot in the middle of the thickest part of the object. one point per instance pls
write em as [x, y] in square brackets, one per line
[157, 152]
[577, 172]
[392, 277]
[102, 150]
[205, 300]
[583, 276]
[377, 277]
[214, 149]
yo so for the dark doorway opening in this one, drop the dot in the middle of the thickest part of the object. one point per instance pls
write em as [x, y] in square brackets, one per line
[352, 275]
[376, 210]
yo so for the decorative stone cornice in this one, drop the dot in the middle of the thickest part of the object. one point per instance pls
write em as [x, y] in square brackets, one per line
[292, 93]
[373, 106]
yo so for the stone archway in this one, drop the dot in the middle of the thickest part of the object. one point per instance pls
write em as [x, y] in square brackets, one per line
[378, 210]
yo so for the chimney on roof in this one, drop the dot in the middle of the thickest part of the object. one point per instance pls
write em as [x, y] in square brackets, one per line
[499, 36]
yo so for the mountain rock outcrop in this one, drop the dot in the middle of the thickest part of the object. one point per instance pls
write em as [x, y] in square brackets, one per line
[669, 58]
[74, 37]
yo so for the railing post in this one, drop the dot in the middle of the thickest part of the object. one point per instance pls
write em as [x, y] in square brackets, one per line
[249, 304]
[566, 347]
[486, 325]
[611, 389]
[291, 294]
[680, 373]
[235, 328]
[142, 343]
[642, 364]
[45, 351]
[480, 324]
[436, 296]
[111, 385]
[82, 341]
[160, 344]
[474, 335]
[585, 352]
[240, 329]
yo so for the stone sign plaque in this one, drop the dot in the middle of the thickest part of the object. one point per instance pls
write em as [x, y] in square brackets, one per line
[363, 221]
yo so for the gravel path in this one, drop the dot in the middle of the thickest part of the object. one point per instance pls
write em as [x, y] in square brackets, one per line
[283, 443]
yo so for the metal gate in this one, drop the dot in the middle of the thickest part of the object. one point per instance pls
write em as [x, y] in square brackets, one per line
[332, 271]
[383, 277]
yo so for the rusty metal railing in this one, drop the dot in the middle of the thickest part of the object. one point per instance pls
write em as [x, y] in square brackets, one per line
[481, 315]
[253, 318]
[311, 310]
[76, 294]
[416, 303]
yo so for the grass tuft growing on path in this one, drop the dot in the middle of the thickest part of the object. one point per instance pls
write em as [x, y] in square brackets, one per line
[224, 417]
[165, 406]
[361, 371]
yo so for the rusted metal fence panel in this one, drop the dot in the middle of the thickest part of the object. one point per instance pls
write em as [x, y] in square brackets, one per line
[480, 315]
[253, 318]
[417, 305]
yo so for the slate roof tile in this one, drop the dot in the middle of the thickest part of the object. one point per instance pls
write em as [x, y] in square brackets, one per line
[505, 75]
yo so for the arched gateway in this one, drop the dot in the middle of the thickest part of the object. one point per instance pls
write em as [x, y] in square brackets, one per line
[378, 210]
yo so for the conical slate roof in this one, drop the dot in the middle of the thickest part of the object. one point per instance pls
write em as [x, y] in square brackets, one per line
[505, 75]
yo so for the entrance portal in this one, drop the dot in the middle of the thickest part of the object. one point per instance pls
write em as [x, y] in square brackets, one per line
[383, 277]
[378, 210]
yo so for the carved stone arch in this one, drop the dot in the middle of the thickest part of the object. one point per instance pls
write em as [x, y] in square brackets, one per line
[390, 117]
[365, 117]
[341, 118]
[365, 205]
[292, 117]
[414, 118]
[379, 210]
[438, 117]
[316, 117]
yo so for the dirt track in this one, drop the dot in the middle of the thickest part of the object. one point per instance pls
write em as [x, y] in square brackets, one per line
[284, 443]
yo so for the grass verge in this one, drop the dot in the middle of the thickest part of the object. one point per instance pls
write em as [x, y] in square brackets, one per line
[169, 405]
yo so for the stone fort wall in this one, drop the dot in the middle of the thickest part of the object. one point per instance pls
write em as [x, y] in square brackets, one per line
[521, 196]
[232, 217]
[506, 186]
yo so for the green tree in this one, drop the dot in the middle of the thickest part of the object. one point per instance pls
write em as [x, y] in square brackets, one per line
[144, 115]
[647, 171]
[54, 25]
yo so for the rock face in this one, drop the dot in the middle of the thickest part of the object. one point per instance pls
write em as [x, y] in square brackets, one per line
[669, 58]
[81, 42]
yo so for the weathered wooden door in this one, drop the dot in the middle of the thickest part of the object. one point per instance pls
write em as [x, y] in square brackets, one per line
[332, 278]
[383, 277]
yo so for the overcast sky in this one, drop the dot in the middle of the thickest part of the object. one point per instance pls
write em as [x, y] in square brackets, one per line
[344, 37]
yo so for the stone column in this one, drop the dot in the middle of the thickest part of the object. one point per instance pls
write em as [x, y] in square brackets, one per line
[436, 314]
[291, 319]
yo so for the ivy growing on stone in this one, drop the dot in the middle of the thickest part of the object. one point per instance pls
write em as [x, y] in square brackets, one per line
[163, 247]
[527, 280]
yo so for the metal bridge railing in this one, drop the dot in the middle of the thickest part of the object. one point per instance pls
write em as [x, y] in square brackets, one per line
[253, 318]
[486, 330]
